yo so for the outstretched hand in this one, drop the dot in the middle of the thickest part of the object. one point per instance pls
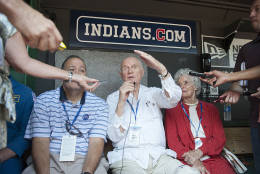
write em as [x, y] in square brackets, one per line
[151, 62]
[218, 79]
[87, 83]
[43, 35]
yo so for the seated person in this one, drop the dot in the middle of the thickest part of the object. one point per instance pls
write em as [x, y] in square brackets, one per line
[13, 49]
[194, 129]
[136, 127]
[68, 128]
[10, 156]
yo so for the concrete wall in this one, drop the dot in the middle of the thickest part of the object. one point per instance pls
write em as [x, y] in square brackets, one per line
[104, 66]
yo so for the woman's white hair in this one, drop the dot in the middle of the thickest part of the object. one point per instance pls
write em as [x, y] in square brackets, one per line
[185, 71]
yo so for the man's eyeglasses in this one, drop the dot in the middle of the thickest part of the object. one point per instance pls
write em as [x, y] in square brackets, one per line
[77, 132]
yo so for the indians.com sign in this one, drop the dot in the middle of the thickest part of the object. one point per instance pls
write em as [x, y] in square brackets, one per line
[121, 32]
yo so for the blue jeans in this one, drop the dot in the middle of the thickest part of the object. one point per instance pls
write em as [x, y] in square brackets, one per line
[255, 140]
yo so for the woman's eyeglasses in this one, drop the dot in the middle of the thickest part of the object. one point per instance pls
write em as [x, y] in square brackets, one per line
[77, 132]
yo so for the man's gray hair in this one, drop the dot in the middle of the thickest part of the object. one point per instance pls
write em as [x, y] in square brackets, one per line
[185, 71]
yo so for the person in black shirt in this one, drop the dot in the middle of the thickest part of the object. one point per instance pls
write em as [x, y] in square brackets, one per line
[249, 55]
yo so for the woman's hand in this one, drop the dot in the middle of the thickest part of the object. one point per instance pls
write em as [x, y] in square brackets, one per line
[199, 165]
[191, 156]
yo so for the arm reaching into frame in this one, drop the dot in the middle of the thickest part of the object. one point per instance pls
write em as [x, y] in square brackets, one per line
[222, 78]
[18, 58]
[43, 35]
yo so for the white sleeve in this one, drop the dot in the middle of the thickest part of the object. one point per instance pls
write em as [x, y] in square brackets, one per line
[172, 89]
[113, 132]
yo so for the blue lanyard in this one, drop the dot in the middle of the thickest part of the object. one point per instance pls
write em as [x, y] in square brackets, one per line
[197, 131]
[76, 116]
[136, 109]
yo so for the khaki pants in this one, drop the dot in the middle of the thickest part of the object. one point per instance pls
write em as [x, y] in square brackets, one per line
[70, 167]
[165, 165]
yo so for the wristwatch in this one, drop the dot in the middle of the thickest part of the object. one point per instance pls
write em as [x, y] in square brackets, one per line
[163, 76]
[85, 173]
[70, 76]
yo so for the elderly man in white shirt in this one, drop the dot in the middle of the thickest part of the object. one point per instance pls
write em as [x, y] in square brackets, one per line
[136, 128]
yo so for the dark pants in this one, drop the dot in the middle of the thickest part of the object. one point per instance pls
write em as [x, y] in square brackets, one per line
[255, 139]
[11, 166]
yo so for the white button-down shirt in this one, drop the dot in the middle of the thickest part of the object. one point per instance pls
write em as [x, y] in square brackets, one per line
[149, 118]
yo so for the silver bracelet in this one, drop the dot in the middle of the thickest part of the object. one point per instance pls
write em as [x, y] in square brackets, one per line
[70, 76]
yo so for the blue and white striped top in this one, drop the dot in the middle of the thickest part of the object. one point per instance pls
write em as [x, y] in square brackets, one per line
[48, 119]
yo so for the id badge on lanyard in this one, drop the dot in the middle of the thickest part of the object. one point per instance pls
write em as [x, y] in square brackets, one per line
[197, 140]
[134, 135]
[68, 146]
[68, 143]
[198, 143]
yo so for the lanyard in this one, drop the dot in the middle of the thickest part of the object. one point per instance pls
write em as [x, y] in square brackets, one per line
[136, 109]
[197, 131]
[76, 116]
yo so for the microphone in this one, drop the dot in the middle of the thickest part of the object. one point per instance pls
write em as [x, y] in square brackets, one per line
[197, 74]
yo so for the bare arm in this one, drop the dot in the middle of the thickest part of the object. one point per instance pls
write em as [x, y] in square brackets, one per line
[222, 78]
[6, 154]
[18, 58]
[95, 149]
[41, 155]
[249, 74]
[236, 87]
[154, 64]
[43, 35]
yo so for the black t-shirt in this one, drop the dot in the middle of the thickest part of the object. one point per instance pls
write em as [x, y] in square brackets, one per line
[250, 54]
